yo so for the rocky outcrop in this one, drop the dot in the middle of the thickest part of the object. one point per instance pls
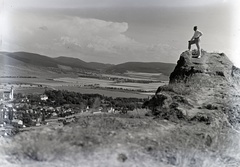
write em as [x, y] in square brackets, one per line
[203, 90]
[210, 64]
[184, 68]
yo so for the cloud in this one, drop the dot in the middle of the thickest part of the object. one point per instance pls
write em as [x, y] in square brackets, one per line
[146, 35]
[70, 36]
[98, 35]
[44, 28]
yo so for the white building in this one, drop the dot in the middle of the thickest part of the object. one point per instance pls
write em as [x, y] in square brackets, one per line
[17, 122]
[111, 110]
[1, 116]
[44, 97]
[8, 94]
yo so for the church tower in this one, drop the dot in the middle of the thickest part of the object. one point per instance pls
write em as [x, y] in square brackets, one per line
[11, 94]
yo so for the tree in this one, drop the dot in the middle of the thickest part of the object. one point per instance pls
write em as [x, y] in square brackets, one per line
[96, 104]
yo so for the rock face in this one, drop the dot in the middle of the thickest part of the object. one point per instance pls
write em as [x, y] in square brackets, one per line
[184, 68]
[204, 90]
[210, 64]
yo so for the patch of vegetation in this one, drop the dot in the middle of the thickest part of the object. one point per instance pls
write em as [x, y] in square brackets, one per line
[61, 97]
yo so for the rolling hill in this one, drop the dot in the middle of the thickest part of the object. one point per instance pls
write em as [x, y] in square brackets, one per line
[31, 64]
[147, 67]
[33, 59]
[34, 62]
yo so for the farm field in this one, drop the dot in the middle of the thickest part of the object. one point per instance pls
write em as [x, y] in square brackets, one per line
[112, 84]
[110, 93]
[82, 85]
[23, 81]
[30, 90]
[139, 76]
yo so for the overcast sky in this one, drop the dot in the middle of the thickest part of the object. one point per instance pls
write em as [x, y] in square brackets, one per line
[116, 31]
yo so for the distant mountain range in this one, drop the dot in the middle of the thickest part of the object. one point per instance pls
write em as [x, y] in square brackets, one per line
[23, 63]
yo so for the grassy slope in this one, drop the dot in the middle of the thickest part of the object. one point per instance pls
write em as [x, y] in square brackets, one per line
[129, 140]
[33, 59]
[73, 62]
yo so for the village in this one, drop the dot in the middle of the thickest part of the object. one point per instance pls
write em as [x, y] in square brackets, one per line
[20, 112]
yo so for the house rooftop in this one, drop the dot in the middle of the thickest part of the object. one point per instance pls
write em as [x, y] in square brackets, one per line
[6, 92]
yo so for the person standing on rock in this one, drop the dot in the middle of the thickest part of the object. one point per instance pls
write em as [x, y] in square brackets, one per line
[195, 40]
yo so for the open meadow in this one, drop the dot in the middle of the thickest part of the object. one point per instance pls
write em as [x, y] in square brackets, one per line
[122, 140]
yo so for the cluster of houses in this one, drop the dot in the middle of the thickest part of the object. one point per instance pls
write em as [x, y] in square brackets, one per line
[7, 112]
[12, 114]
[21, 113]
[7, 119]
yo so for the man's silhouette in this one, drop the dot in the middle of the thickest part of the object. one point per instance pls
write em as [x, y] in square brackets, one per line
[196, 40]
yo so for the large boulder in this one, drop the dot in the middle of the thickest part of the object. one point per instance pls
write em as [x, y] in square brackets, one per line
[208, 66]
[204, 90]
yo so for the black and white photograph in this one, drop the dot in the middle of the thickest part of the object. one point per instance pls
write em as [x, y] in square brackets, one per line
[119, 83]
